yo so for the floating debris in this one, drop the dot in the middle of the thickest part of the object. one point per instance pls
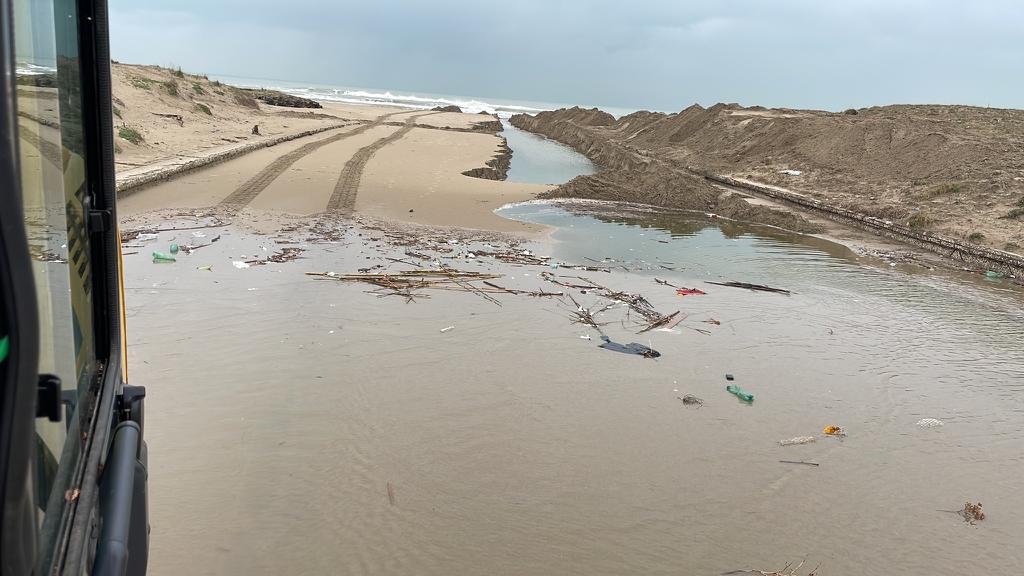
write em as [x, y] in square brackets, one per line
[162, 257]
[834, 431]
[740, 393]
[664, 322]
[631, 348]
[929, 423]
[797, 440]
[972, 512]
[408, 283]
[755, 287]
[691, 400]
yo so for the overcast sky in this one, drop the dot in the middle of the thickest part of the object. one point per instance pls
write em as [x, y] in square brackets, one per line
[658, 54]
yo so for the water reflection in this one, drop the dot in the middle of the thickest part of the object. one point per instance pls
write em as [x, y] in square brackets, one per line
[537, 160]
[697, 247]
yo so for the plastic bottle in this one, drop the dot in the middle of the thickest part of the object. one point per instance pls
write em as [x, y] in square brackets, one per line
[740, 393]
[163, 257]
[174, 248]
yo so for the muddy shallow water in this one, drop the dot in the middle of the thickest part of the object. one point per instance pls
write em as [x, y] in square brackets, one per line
[299, 425]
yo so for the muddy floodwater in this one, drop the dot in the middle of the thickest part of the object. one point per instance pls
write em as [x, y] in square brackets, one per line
[538, 160]
[300, 425]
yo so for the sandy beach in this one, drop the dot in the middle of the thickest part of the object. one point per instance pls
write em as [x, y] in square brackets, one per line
[401, 164]
[355, 366]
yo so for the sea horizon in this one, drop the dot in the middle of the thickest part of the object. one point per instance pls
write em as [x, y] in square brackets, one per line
[503, 107]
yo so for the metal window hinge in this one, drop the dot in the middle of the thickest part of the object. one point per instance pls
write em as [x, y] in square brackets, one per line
[48, 398]
[96, 220]
[99, 220]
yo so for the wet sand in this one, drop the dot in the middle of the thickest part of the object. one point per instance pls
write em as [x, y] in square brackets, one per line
[430, 182]
[302, 425]
[386, 167]
[305, 425]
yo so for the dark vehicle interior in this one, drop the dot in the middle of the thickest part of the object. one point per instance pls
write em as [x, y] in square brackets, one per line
[72, 456]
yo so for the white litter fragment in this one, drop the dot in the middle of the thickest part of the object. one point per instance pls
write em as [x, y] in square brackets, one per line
[929, 423]
[332, 274]
[797, 440]
[447, 329]
[586, 337]
[252, 289]
[239, 264]
[198, 234]
[791, 172]
[144, 237]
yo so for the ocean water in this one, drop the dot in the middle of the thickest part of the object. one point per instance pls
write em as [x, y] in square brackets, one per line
[503, 107]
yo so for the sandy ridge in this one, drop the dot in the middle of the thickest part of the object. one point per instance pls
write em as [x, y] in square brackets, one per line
[249, 190]
[344, 197]
[132, 183]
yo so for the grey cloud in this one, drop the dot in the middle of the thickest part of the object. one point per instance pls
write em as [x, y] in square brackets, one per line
[660, 54]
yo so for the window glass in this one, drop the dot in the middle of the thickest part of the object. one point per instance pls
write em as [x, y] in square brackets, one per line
[54, 195]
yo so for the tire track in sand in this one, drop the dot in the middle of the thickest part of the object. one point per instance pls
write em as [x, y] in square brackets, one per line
[344, 197]
[252, 187]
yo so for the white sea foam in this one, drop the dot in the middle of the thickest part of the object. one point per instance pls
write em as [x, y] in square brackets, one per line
[29, 69]
[388, 98]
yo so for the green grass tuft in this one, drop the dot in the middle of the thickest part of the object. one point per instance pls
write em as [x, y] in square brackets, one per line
[116, 111]
[975, 236]
[130, 134]
[171, 87]
[141, 83]
[204, 109]
[197, 88]
[177, 72]
[919, 221]
[947, 188]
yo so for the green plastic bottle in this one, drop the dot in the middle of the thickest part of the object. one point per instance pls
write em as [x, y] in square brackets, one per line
[162, 257]
[174, 248]
[740, 393]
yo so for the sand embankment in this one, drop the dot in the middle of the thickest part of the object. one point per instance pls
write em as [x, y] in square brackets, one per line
[186, 142]
[952, 172]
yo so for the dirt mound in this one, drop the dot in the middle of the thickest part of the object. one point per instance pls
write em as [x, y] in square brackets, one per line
[629, 176]
[276, 98]
[576, 115]
[954, 170]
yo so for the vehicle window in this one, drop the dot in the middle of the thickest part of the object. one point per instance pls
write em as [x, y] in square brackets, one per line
[54, 190]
